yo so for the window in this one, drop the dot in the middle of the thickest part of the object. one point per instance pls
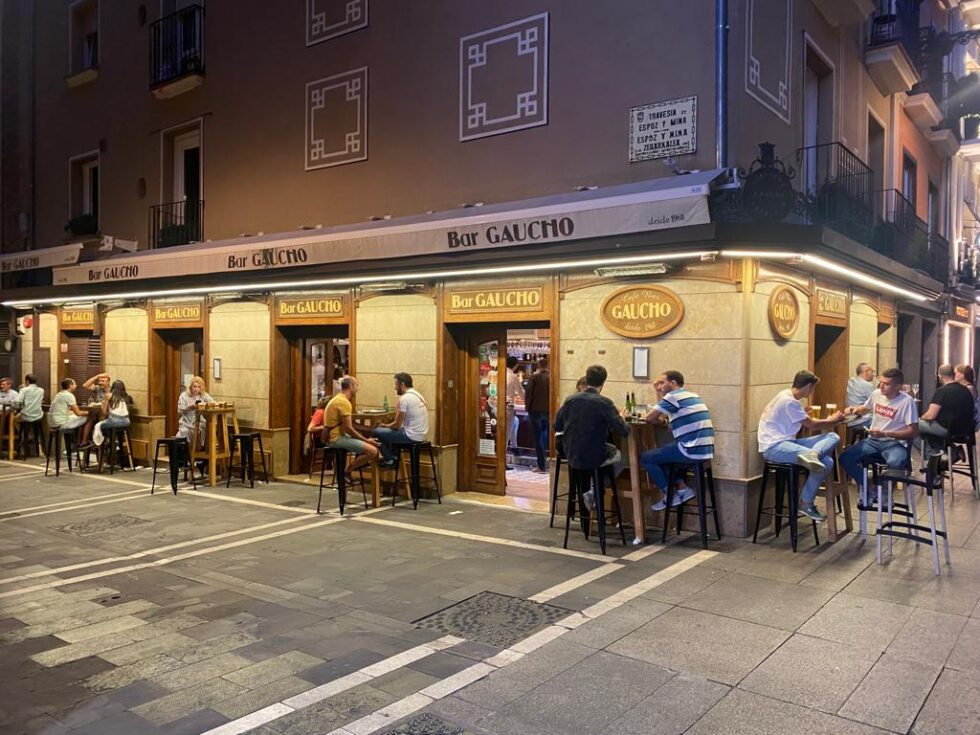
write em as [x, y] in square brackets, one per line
[83, 28]
[909, 178]
[934, 213]
[83, 208]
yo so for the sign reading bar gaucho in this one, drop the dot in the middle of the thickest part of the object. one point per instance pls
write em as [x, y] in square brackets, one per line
[77, 318]
[475, 301]
[831, 303]
[169, 313]
[784, 312]
[331, 305]
[640, 312]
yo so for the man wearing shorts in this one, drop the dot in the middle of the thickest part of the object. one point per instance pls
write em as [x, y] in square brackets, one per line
[339, 431]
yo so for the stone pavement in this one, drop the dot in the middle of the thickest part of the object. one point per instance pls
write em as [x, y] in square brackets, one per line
[241, 611]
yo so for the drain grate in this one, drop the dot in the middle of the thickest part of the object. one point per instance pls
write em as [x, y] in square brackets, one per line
[100, 525]
[492, 618]
[426, 724]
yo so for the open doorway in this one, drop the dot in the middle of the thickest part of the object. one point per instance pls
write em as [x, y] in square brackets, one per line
[830, 363]
[178, 358]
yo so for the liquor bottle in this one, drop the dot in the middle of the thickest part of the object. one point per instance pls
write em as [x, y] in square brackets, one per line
[629, 406]
[633, 403]
[385, 404]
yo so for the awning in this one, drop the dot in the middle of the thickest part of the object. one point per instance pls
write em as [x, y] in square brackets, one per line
[678, 201]
[44, 258]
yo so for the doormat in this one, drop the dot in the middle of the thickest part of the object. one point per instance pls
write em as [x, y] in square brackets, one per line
[498, 620]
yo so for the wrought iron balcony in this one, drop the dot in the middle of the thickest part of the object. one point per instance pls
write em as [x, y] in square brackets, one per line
[903, 237]
[176, 223]
[177, 51]
[837, 190]
[939, 257]
[896, 21]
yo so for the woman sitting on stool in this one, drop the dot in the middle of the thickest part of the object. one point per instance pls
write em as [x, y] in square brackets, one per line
[116, 407]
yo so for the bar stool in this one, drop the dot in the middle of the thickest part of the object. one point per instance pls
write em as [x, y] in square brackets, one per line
[178, 454]
[27, 430]
[865, 501]
[581, 481]
[116, 443]
[933, 486]
[55, 437]
[787, 477]
[339, 480]
[555, 495]
[245, 440]
[415, 454]
[969, 442]
[704, 485]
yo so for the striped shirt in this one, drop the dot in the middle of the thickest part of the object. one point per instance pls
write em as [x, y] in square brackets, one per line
[690, 423]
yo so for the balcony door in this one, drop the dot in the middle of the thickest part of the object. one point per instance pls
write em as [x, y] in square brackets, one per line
[187, 184]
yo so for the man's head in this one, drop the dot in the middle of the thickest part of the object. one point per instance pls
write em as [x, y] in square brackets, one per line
[5, 384]
[29, 379]
[348, 386]
[667, 381]
[595, 376]
[803, 383]
[891, 382]
[865, 371]
[403, 381]
[68, 384]
[946, 373]
[581, 384]
[102, 381]
[512, 362]
[542, 363]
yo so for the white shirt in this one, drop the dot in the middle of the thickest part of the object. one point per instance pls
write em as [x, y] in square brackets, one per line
[891, 415]
[781, 420]
[8, 397]
[416, 421]
[514, 388]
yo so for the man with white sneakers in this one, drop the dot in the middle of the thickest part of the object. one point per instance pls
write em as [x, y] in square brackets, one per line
[779, 425]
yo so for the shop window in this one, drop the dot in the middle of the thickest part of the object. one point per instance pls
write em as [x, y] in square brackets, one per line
[83, 24]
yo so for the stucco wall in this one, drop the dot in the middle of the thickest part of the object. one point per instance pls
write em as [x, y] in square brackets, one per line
[126, 355]
[239, 336]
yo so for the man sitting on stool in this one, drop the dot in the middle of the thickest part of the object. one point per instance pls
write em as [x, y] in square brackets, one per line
[894, 419]
[339, 431]
[950, 412]
[779, 424]
[859, 389]
[694, 435]
[411, 423]
[585, 419]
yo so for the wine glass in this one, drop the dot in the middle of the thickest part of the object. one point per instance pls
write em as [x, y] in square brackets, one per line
[915, 390]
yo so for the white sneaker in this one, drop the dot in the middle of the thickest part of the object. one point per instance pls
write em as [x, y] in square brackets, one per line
[589, 500]
[681, 495]
[810, 460]
[659, 505]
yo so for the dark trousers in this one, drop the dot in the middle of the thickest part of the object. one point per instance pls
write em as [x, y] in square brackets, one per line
[539, 426]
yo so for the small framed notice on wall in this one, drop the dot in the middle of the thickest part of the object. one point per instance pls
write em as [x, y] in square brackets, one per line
[641, 363]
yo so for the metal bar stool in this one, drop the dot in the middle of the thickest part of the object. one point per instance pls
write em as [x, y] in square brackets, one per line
[178, 456]
[580, 480]
[933, 486]
[787, 479]
[868, 503]
[969, 442]
[555, 495]
[116, 443]
[245, 441]
[415, 482]
[704, 489]
[31, 432]
[339, 481]
[55, 438]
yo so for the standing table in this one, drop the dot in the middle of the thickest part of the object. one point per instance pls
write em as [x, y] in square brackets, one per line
[642, 436]
[218, 446]
[366, 419]
[7, 422]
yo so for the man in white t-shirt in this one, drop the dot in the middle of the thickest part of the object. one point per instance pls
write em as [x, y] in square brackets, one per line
[894, 420]
[781, 422]
[411, 423]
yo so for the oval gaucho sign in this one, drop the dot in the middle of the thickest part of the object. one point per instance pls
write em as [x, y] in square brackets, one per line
[640, 312]
[784, 312]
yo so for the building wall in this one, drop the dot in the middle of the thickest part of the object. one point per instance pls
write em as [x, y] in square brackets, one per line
[863, 334]
[126, 352]
[239, 337]
[48, 324]
[930, 167]
[397, 333]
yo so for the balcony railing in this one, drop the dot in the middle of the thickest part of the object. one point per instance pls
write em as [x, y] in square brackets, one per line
[177, 45]
[903, 237]
[837, 190]
[176, 223]
[897, 21]
[939, 257]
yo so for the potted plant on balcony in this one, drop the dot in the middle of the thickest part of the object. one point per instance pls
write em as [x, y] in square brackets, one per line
[83, 224]
[173, 235]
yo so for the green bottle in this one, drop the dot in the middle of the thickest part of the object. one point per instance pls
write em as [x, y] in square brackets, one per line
[385, 405]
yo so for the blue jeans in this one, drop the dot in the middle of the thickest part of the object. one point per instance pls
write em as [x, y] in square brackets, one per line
[539, 427]
[389, 438]
[113, 422]
[789, 451]
[654, 459]
[892, 452]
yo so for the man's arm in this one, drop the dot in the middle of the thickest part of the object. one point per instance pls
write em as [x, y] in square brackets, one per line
[76, 410]
[616, 422]
[812, 423]
[910, 431]
[932, 413]
[398, 421]
[349, 429]
[529, 393]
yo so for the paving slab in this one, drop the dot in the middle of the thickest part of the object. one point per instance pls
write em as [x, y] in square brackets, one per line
[892, 693]
[866, 624]
[952, 707]
[672, 708]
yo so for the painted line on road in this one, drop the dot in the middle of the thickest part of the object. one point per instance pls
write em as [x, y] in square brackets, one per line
[23, 464]
[67, 502]
[21, 476]
[575, 582]
[485, 539]
[249, 501]
[75, 507]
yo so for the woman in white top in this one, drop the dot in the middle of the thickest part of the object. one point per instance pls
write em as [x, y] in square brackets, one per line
[116, 407]
[187, 408]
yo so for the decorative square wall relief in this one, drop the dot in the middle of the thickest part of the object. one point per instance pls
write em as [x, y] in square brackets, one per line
[503, 84]
[336, 119]
[326, 19]
[769, 49]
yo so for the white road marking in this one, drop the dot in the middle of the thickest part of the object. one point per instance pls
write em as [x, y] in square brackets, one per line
[575, 582]
[249, 501]
[21, 476]
[67, 502]
[73, 507]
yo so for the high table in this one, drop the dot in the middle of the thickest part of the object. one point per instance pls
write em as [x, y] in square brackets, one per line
[217, 447]
[7, 422]
[367, 419]
[642, 436]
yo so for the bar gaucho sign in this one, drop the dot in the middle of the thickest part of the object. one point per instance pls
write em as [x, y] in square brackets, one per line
[641, 312]
[784, 312]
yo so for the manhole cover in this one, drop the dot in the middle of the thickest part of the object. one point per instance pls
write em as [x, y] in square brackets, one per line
[100, 525]
[496, 619]
[426, 724]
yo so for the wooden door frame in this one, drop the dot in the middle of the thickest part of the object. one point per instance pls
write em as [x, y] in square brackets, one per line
[161, 361]
[469, 461]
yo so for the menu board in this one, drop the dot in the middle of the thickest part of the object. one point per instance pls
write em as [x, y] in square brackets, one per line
[487, 425]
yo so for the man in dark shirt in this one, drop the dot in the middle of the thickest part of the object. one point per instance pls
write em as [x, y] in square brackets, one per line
[586, 419]
[537, 398]
[950, 412]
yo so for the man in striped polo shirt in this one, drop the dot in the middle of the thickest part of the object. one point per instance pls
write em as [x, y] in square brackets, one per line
[694, 436]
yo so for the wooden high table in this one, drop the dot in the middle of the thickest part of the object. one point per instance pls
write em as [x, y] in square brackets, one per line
[367, 419]
[217, 447]
[645, 434]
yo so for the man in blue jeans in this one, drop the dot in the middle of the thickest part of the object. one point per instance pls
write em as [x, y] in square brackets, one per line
[894, 420]
[781, 421]
[411, 422]
[694, 435]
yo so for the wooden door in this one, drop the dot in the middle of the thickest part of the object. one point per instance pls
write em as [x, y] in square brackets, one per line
[831, 361]
[184, 360]
[483, 381]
